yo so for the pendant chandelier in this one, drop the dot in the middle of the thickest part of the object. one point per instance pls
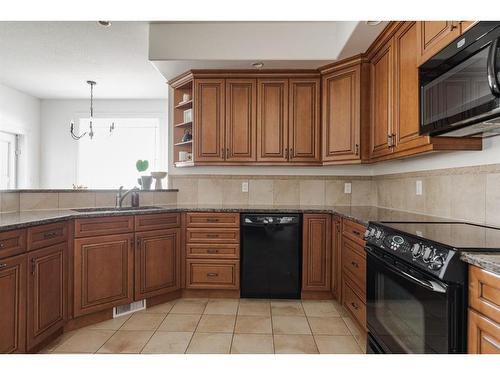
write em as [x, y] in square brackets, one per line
[91, 119]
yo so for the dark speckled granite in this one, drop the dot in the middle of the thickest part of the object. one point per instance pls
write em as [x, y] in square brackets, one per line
[487, 261]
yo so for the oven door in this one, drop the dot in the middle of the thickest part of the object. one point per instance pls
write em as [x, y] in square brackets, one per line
[408, 312]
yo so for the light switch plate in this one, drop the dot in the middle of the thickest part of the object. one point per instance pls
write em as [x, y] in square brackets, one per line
[244, 187]
[347, 188]
[418, 187]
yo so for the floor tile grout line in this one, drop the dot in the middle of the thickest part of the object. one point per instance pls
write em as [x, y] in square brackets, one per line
[159, 325]
[197, 324]
[234, 326]
[309, 325]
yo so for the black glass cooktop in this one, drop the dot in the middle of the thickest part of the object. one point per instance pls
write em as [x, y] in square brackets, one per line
[461, 236]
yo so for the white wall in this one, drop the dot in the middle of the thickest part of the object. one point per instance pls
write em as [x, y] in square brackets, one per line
[59, 151]
[20, 114]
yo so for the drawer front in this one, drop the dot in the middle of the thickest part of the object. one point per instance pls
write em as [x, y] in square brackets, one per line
[212, 274]
[353, 302]
[484, 292]
[354, 231]
[157, 221]
[47, 235]
[103, 225]
[197, 250]
[212, 219]
[215, 235]
[354, 263]
[12, 243]
[483, 336]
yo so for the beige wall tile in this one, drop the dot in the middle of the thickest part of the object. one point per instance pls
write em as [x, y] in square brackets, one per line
[146, 198]
[105, 199]
[468, 197]
[437, 197]
[363, 193]
[492, 214]
[9, 202]
[260, 192]
[232, 194]
[312, 192]
[334, 193]
[76, 200]
[210, 191]
[188, 190]
[286, 192]
[164, 197]
[38, 201]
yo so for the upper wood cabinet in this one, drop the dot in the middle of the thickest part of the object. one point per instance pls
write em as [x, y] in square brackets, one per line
[208, 132]
[272, 120]
[157, 263]
[241, 120]
[47, 290]
[304, 120]
[345, 114]
[13, 304]
[316, 252]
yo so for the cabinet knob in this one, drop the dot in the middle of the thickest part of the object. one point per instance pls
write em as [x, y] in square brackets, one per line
[212, 274]
[357, 149]
[355, 305]
[286, 153]
[3, 265]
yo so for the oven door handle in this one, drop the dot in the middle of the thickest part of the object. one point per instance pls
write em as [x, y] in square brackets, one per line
[492, 70]
[427, 284]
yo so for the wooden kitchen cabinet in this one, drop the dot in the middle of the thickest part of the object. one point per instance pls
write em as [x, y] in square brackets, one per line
[316, 252]
[157, 262]
[433, 36]
[209, 118]
[13, 304]
[103, 272]
[483, 335]
[304, 120]
[272, 120]
[47, 292]
[336, 268]
[241, 120]
[345, 110]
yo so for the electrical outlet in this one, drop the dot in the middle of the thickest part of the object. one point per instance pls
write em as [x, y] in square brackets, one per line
[244, 187]
[347, 188]
[418, 187]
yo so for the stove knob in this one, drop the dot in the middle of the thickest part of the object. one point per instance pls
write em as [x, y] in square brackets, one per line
[428, 254]
[437, 263]
[367, 234]
[378, 234]
[416, 250]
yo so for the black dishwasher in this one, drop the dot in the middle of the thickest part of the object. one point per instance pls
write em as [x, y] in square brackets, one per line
[271, 255]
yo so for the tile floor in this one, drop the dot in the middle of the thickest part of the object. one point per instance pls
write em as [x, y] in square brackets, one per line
[203, 326]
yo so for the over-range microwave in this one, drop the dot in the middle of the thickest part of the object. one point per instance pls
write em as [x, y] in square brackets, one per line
[460, 86]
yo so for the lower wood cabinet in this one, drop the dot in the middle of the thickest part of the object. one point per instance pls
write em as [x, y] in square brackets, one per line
[336, 257]
[212, 274]
[316, 252]
[13, 304]
[157, 262]
[103, 272]
[483, 335]
[47, 290]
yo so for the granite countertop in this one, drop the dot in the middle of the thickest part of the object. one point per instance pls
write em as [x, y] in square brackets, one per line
[487, 261]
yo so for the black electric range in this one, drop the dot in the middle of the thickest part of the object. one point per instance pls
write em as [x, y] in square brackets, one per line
[417, 285]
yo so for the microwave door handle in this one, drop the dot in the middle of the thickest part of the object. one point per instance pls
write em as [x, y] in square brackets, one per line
[491, 68]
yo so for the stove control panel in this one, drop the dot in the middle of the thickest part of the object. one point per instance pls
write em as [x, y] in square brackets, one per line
[419, 252]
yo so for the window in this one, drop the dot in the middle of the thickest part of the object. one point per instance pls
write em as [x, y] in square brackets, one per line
[8, 160]
[108, 160]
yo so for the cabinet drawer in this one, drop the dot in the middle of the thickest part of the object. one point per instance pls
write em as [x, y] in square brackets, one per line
[197, 250]
[12, 243]
[353, 302]
[483, 336]
[212, 219]
[215, 235]
[354, 263]
[484, 292]
[157, 222]
[103, 225]
[212, 274]
[47, 235]
[354, 231]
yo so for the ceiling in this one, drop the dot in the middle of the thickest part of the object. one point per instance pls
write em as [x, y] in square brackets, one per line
[55, 59]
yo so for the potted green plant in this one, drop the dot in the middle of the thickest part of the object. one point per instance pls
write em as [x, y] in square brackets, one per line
[144, 181]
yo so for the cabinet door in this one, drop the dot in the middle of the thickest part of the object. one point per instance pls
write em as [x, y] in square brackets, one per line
[13, 305]
[405, 111]
[241, 120]
[303, 120]
[157, 263]
[341, 115]
[316, 252]
[46, 292]
[103, 272]
[272, 120]
[208, 136]
[433, 36]
[483, 336]
[381, 79]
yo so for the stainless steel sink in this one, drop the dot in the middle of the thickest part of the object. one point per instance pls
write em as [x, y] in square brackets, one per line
[115, 209]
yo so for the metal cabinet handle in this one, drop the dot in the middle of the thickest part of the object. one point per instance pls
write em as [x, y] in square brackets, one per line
[211, 235]
[33, 266]
[356, 149]
[389, 141]
[453, 26]
[3, 265]
[355, 264]
[212, 251]
[393, 142]
[356, 233]
[355, 305]
[286, 153]
[212, 220]
[48, 235]
[493, 81]
[291, 153]
[222, 154]
[212, 274]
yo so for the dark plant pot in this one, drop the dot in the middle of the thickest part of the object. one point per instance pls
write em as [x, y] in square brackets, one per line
[145, 182]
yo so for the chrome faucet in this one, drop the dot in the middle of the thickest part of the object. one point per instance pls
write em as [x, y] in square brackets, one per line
[120, 196]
